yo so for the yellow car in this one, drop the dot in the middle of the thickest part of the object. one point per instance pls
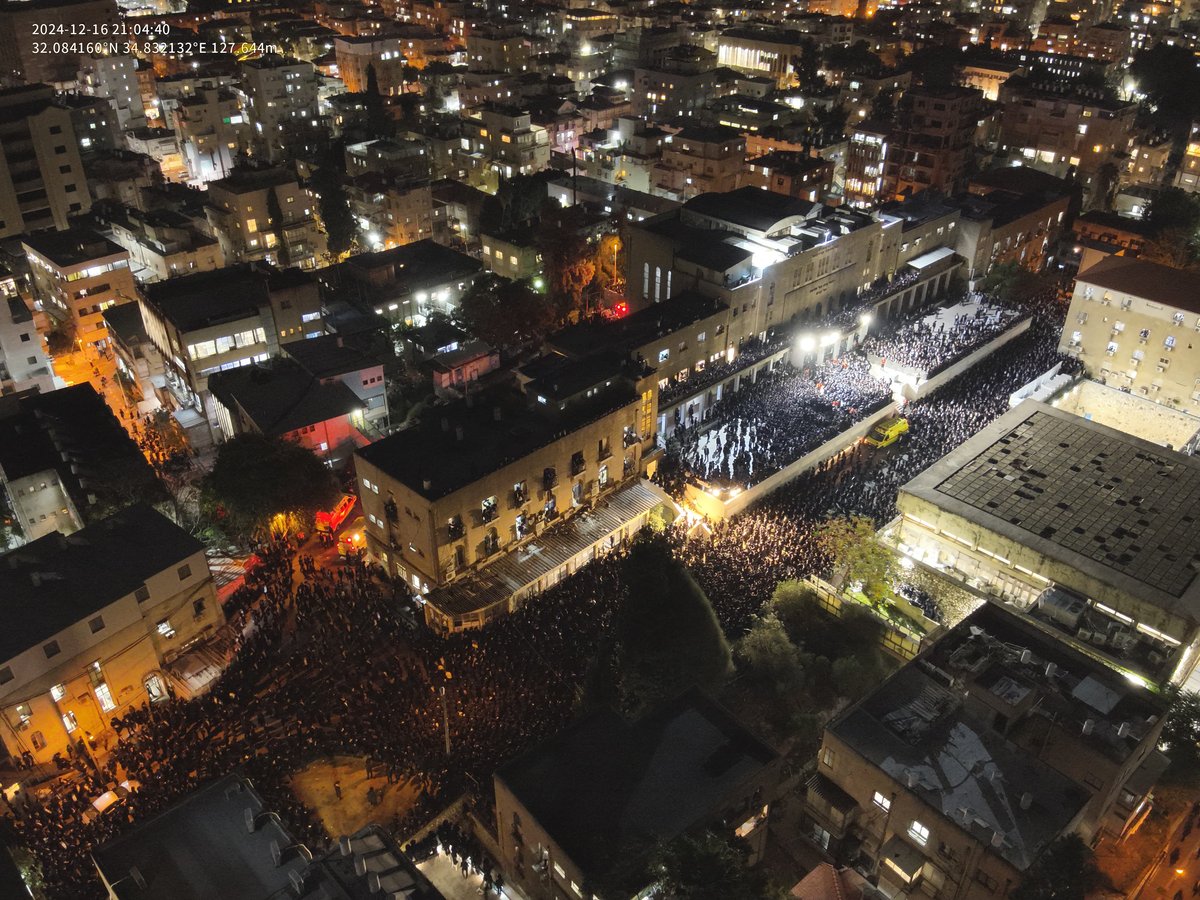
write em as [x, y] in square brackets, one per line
[887, 432]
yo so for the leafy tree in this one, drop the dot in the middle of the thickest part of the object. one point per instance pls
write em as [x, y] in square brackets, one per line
[773, 668]
[856, 58]
[1168, 76]
[506, 313]
[1173, 208]
[1181, 734]
[858, 556]
[883, 107]
[668, 634]
[334, 205]
[62, 338]
[275, 214]
[709, 867]
[379, 119]
[1065, 870]
[1015, 284]
[568, 263]
[937, 65]
[256, 477]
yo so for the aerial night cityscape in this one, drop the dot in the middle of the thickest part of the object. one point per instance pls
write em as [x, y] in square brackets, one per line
[599, 449]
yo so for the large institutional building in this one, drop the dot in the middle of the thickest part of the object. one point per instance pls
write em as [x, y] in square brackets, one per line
[1091, 530]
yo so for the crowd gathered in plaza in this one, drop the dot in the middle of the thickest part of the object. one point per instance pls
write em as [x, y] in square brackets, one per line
[323, 663]
[930, 342]
[778, 418]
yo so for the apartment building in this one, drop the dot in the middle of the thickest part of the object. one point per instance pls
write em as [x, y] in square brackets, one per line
[760, 50]
[866, 153]
[506, 136]
[115, 79]
[981, 697]
[22, 56]
[42, 182]
[23, 361]
[356, 54]
[793, 173]
[65, 460]
[477, 479]
[391, 211]
[214, 321]
[212, 131]
[499, 49]
[1187, 178]
[163, 243]
[699, 159]
[97, 618]
[264, 214]
[281, 100]
[1133, 324]
[931, 144]
[76, 275]
[678, 88]
[1061, 129]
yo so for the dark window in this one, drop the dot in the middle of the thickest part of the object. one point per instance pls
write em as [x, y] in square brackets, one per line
[64, 169]
[25, 338]
[96, 624]
[56, 129]
[142, 594]
[70, 189]
[198, 608]
[185, 571]
[51, 649]
[61, 148]
[6, 675]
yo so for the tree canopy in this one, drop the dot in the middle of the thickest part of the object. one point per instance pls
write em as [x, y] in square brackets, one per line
[709, 867]
[1065, 870]
[1169, 78]
[1181, 735]
[506, 313]
[857, 556]
[255, 478]
[667, 633]
[334, 205]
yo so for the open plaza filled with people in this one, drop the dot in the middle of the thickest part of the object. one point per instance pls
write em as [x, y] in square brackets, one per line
[324, 664]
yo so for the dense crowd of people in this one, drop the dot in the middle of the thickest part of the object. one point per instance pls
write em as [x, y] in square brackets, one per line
[323, 663]
[932, 341]
[766, 425]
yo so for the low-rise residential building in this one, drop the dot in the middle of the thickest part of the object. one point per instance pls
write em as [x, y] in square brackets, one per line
[76, 275]
[215, 321]
[97, 619]
[513, 253]
[980, 700]
[65, 460]
[265, 214]
[163, 243]
[384, 53]
[679, 88]
[931, 144]
[280, 399]
[1133, 324]
[354, 360]
[406, 284]
[23, 361]
[478, 479]
[588, 806]
[866, 154]
[700, 159]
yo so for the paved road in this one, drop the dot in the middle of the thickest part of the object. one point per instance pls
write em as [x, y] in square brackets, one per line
[1176, 872]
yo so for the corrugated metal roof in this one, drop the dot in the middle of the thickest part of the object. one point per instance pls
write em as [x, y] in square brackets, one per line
[539, 557]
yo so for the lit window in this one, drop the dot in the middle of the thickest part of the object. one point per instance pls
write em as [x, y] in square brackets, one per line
[165, 629]
[57, 692]
[881, 801]
[104, 695]
[918, 833]
[69, 721]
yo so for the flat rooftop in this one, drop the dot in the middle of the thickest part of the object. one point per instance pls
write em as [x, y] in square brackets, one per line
[1177, 288]
[455, 445]
[72, 247]
[916, 729]
[639, 328]
[52, 583]
[199, 849]
[607, 789]
[1082, 493]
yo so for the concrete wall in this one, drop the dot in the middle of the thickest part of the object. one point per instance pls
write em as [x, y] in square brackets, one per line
[717, 508]
[1129, 413]
[913, 388]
